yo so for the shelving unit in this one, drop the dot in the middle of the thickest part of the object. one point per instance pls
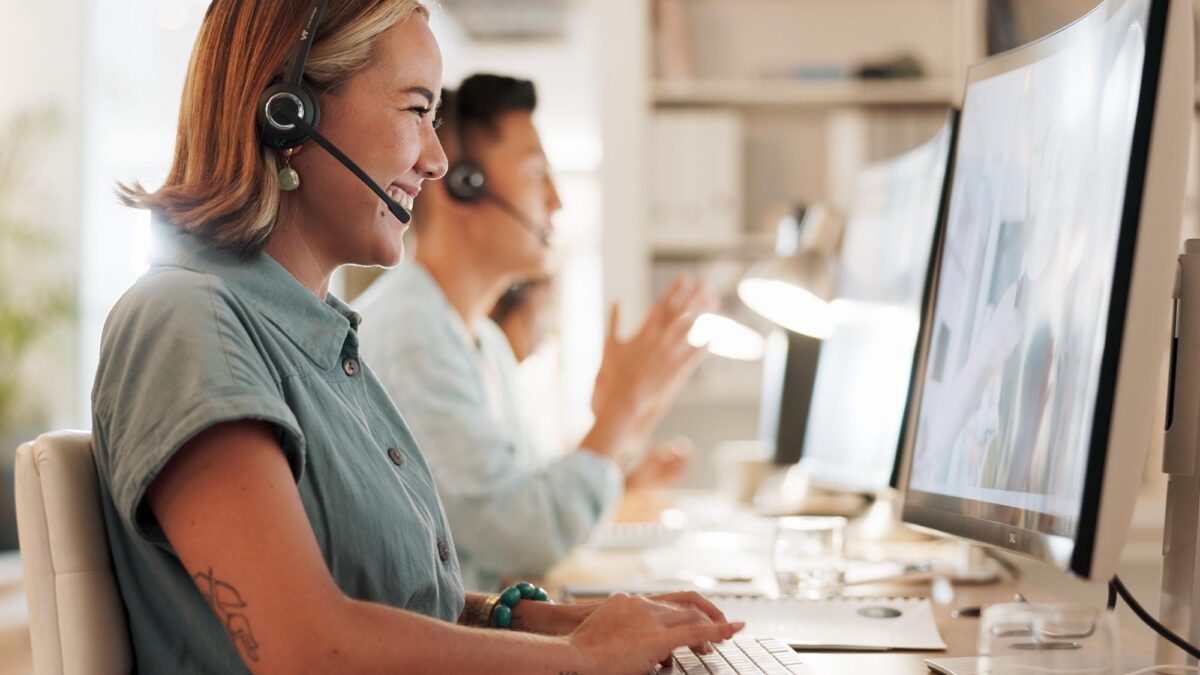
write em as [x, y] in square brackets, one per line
[939, 91]
[749, 246]
[802, 140]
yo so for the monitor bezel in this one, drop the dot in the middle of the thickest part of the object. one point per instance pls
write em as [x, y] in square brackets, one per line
[947, 514]
[898, 477]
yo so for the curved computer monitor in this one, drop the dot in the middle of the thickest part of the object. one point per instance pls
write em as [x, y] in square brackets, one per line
[861, 389]
[1053, 283]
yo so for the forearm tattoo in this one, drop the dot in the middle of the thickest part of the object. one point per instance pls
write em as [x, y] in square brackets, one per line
[228, 604]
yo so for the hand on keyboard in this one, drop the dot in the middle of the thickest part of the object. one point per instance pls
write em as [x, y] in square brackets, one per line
[742, 656]
[629, 634]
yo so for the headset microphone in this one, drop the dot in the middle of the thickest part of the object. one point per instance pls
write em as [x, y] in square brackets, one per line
[288, 113]
[542, 234]
[397, 210]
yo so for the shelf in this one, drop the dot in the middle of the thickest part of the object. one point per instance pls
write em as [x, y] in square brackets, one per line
[700, 397]
[752, 245]
[781, 92]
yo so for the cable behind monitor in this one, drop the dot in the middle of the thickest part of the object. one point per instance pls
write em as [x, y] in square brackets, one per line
[1117, 587]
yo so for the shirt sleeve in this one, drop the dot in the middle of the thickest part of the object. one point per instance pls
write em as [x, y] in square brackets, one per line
[511, 517]
[176, 358]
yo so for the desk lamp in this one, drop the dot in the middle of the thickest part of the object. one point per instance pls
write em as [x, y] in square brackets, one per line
[794, 288]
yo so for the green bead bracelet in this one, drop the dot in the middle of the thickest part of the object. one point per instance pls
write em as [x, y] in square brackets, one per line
[502, 613]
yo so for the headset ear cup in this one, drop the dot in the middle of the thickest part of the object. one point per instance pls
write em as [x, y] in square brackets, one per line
[273, 130]
[466, 183]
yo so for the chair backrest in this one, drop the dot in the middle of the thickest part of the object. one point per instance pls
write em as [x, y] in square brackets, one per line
[76, 620]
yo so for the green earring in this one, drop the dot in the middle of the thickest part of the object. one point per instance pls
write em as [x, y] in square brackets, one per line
[288, 178]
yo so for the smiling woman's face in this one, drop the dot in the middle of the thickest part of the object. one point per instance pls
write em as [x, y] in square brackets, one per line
[382, 118]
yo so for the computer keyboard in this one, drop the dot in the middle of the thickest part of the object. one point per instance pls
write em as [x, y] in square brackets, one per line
[739, 656]
[638, 535]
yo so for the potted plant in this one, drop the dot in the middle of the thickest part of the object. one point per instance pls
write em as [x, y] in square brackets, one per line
[29, 308]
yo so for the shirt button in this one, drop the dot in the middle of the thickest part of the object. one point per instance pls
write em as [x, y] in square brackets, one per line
[350, 366]
[396, 457]
[443, 550]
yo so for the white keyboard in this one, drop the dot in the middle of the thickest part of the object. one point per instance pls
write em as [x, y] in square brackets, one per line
[739, 656]
[634, 536]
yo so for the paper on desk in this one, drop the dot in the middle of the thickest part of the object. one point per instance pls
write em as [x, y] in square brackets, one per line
[837, 623]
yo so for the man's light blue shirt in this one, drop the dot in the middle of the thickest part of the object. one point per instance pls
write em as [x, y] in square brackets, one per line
[511, 514]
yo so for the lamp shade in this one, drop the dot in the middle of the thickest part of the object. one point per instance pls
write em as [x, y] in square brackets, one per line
[792, 292]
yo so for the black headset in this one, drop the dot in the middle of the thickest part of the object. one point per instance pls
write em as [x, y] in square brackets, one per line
[288, 112]
[466, 182]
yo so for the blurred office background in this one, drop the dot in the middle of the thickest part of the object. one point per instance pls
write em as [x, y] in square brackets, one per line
[680, 131]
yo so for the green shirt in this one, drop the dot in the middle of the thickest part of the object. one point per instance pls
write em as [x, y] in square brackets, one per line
[206, 337]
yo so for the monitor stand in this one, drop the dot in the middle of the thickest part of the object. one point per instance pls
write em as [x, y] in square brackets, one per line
[881, 522]
[788, 492]
[881, 526]
[973, 566]
[1179, 602]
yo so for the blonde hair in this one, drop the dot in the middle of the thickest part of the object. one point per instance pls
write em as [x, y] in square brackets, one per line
[222, 184]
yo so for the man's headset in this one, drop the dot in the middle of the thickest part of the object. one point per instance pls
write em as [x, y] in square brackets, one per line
[466, 182]
[288, 112]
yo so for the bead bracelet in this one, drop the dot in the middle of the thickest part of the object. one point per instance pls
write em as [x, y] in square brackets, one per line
[499, 608]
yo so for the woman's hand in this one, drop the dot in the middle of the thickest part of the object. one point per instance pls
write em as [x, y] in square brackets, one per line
[640, 377]
[628, 634]
[548, 619]
[664, 464]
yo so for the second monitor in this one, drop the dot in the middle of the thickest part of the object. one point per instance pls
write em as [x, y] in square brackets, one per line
[862, 381]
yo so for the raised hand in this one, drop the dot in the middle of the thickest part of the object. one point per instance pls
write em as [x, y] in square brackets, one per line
[640, 377]
[664, 464]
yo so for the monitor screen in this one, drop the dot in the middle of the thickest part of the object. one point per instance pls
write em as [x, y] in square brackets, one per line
[1018, 381]
[863, 375]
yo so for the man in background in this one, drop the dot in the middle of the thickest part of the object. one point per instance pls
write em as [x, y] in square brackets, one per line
[523, 314]
[451, 371]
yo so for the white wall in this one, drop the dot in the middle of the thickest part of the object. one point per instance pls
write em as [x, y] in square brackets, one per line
[41, 65]
[137, 53]
[123, 63]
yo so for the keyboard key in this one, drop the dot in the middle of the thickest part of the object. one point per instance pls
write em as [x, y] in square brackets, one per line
[741, 656]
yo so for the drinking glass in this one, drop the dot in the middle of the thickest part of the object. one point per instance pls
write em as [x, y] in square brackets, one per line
[808, 556]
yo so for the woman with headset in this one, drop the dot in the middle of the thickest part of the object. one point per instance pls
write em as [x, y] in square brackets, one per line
[266, 506]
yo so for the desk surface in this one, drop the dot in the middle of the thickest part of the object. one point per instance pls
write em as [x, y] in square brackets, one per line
[610, 567]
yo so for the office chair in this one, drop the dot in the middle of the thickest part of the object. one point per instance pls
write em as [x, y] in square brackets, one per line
[76, 619]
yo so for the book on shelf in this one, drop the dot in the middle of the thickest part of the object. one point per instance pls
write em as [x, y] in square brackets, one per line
[671, 40]
[696, 174]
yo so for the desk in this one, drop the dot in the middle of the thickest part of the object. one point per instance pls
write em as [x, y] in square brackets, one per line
[614, 567]
[959, 634]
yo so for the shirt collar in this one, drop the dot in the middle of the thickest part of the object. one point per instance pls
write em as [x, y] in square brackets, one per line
[434, 290]
[319, 329]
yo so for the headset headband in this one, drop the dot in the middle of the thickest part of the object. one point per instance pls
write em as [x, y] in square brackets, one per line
[307, 35]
